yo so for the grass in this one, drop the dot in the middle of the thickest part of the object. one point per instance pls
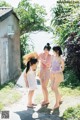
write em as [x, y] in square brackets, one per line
[68, 91]
[8, 94]
[72, 113]
[65, 91]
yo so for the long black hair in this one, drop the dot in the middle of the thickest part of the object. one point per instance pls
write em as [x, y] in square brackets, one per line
[30, 63]
[48, 47]
[57, 49]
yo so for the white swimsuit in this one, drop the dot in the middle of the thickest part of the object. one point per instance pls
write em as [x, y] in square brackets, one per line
[31, 78]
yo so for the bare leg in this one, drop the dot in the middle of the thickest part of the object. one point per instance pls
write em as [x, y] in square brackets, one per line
[57, 98]
[54, 86]
[45, 91]
[57, 94]
[30, 96]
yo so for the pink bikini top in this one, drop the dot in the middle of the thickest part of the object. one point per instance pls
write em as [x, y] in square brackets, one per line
[44, 60]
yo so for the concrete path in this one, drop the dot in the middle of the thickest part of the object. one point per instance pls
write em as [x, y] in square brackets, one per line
[19, 111]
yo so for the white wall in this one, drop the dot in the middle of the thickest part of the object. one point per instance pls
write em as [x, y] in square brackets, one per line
[13, 46]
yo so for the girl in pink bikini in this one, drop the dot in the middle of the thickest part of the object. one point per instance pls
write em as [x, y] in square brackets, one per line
[45, 63]
[57, 68]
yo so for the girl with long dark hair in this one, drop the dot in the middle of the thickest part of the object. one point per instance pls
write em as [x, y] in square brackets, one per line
[30, 79]
[45, 63]
[57, 68]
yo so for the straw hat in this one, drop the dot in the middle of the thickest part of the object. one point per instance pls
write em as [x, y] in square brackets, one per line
[27, 57]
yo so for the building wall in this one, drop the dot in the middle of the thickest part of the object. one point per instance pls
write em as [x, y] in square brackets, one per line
[13, 47]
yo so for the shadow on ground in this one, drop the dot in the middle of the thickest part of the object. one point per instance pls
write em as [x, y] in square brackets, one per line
[42, 113]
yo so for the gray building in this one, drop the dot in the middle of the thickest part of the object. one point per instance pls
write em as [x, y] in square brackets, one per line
[9, 45]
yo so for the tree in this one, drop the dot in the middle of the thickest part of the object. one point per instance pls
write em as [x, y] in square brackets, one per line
[4, 4]
[66, 24]
[32, 17]
[65, 20]
[26, 47]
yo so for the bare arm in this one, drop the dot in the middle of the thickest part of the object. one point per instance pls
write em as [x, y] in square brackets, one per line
[46, 63]
[25, 79]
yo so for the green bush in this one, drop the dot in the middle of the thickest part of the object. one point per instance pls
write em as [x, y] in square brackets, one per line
[73, 55]
[26, 47]
[70, 79]
[72, 113]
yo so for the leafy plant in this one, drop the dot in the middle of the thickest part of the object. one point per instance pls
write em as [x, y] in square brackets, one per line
[64, 20]
[72, 58]
[32, 16]
[72, 113]
[70, 79]
[26, 47]
[4, 4]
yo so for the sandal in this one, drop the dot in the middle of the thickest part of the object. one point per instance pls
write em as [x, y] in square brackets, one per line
[56, 107]
[34, 104]
[45, 104]
[60, 102]
[30, 107]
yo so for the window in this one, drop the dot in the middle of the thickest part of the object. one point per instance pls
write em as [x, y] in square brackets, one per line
[10, 30]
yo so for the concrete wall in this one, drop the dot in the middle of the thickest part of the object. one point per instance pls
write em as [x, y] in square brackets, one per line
[13, 48]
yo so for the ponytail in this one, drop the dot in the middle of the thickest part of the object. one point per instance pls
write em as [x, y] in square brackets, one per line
[48, 47]
[28, 66]
[31, 62]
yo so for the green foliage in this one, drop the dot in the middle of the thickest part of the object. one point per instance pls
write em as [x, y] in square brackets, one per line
[73, 55]
[8, 94]
[70, 79]
[9, 84]
[32, 17]
[65, 20]
[72, 113]
[26, 47]
[4, 4]
[69, 90]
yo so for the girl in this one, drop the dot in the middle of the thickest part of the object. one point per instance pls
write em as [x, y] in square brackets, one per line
[30, 79]
[57, 68]
[45, 62]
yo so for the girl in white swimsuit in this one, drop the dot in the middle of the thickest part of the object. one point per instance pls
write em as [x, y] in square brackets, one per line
[30, 79]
